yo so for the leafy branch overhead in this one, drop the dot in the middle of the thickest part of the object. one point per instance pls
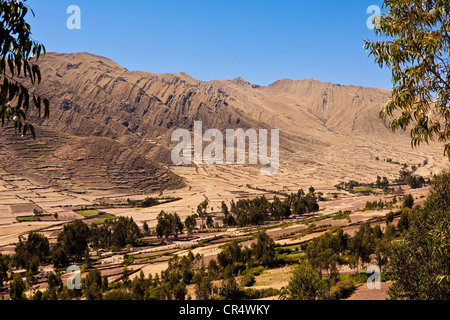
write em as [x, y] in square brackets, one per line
[417, 52]
[18, 68]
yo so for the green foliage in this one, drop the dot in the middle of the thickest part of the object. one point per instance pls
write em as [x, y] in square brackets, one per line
[390, 217]
[146, 228]
[306, 284]
[414, 181]
[325, 252]
[92, 285]
[17, 50]
[230, 289]
[190, 222]
[417, 52]
[59, 255]
[17, 288]
[343, 289]
[4, 266]
[375, 205]
[114, 233]
[203, 213]
[342, 215]
[231, 254]
[362, 244]
[36, 248]
[203, 285]
[248, 280]
[253, 294]
[408, 201]
[263, 251]
[147, 202]
[118, 295]
[419, 265]
[256, 271]
[169, 224]
[54, 282]
[403, 222]
[228, 219]
[74, 238]
[259, 210]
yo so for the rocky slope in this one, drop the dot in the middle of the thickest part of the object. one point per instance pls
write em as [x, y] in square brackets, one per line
[111, 127]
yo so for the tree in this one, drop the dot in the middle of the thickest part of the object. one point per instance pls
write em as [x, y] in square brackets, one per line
[87, 259]
[324, 253]
[264, 249]
[305, 284]
[55, 282]
[228, 219]
[168, 224]
[203, 285]
[190, 222]
[17, 51]
[17, 288]
[124, 231]
[390, 217]
[146, 228]
[419, 264]
[230, 288]
[408, 201]
[179, 291]
[417, 54]
[74, 238]
[92, 285]
[138, 287]
[178, 226]
[202, 211]
[4, 265]
[60, 258]
[35, 249]
[362, 244]
[381, 252]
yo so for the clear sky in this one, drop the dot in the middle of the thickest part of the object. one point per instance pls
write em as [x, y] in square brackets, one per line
[261, 41]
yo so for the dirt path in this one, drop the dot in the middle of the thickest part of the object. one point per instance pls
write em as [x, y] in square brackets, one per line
[364, 293]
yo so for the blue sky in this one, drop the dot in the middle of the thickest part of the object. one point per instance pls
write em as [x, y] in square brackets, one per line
[261, 41]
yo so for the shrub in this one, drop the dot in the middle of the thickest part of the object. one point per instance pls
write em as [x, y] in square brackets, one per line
[342, 289]
[254, 271]
[248, 280]
[252, 294]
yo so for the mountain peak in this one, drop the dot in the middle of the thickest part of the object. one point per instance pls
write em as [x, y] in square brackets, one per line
[240, 81]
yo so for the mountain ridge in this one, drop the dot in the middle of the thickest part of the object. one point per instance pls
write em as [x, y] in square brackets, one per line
[93, 97]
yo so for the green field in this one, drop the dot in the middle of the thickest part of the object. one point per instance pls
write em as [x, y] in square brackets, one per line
[27, 219]
[89, 212]
[364, 189]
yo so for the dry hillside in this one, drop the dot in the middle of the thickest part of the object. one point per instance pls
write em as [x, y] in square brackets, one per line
[111, 127]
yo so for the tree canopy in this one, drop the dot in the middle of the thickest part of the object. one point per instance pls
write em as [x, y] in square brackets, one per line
[19, 53]
[416, 49]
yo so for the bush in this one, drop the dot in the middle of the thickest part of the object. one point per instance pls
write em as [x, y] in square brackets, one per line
[342, 289]
[284, 250]
[118, 294]
[254, 271]
[248, 280]
[252, 294]
[359, 277]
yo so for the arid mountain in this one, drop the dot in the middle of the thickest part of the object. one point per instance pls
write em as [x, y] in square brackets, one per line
[114, 125]
[93, 96]
[80, 163]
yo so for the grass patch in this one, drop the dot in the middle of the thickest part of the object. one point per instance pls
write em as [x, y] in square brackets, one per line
[364, 189]
[27, 218]
[272, 277]
[88, 212]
